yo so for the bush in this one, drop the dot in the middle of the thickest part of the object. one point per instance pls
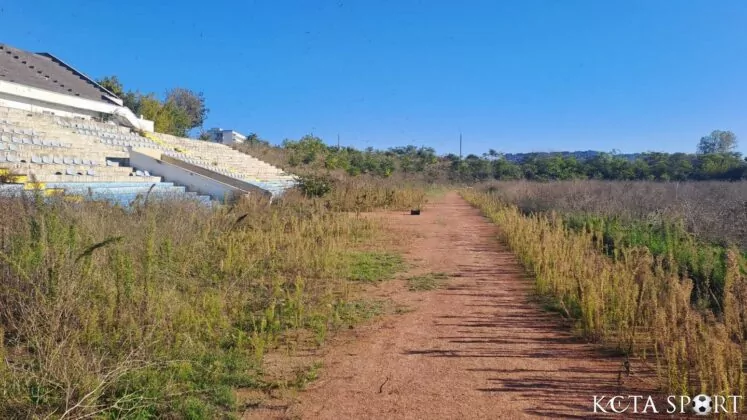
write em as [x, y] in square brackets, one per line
[315, 185]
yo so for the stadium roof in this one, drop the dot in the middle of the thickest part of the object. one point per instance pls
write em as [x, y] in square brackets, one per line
[45, 71]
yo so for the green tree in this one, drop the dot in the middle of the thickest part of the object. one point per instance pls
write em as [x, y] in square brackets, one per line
[149, 107]
[167, 117]
[181, 111]
[190, 105]
[173, 120]
[112, 84]
[491, 154]
[681, 166]
[717, 142]
[505, 169]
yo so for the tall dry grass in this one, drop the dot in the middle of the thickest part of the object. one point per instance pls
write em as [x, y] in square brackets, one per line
[635, 302]
[163, 309]
[713, 211]
[367, 193]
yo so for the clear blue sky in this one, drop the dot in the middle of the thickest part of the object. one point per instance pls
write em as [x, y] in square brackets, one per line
[519, 76]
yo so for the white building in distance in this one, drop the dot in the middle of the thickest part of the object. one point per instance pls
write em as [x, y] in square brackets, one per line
[227, 137]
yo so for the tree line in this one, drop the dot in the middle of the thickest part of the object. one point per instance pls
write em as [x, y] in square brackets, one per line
[181, 110]
[715, 159]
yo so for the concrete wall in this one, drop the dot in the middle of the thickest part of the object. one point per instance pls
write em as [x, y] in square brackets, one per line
[236, 183]
[14, 95]
[192, 180]
[32, 105]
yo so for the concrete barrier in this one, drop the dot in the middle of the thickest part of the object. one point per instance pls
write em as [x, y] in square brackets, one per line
[194, 178]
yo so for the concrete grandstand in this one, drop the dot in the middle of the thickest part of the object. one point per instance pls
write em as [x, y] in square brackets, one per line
[53, 139]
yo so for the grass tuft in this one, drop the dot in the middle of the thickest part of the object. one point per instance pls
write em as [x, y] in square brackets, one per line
[430, 281]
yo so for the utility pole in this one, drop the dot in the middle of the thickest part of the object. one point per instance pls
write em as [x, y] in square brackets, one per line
[460, 145]
[338, 142]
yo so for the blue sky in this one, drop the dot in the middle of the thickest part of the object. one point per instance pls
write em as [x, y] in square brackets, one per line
[519, 76]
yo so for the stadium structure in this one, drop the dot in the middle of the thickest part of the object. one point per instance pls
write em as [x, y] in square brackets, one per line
[61, 133]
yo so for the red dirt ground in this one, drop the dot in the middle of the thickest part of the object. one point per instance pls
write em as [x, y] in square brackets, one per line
[478, 348]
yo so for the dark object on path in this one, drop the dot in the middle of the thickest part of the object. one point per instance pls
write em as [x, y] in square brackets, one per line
[415, 212]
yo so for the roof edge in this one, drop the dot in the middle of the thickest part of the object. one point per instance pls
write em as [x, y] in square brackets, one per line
[111, 96]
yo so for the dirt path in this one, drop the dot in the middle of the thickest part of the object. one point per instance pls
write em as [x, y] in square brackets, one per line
[478, 348]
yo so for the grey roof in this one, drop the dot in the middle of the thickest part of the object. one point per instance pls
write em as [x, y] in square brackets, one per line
[45, 71]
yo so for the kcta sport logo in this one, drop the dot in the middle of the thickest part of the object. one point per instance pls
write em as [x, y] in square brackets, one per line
[701, 404]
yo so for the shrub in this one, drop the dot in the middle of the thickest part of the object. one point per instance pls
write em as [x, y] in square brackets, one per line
[315, 185]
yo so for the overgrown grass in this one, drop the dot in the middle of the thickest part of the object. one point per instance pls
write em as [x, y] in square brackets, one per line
[714, 212]
[430, 281]
[705, 264]
[163, 309]
[638, 302]
[367, 193]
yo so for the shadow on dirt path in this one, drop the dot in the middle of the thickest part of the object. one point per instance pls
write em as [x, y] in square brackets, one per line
[477, 348]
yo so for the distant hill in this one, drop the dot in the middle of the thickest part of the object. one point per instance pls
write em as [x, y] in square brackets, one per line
[580, 155]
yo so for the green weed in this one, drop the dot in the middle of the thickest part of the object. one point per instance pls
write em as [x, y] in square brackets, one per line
[372, 266]
[347, 314]
[428, 281]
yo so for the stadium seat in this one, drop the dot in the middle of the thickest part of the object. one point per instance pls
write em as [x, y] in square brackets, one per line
[56, 148]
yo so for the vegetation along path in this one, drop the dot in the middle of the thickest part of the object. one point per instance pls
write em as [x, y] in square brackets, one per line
[478, 347]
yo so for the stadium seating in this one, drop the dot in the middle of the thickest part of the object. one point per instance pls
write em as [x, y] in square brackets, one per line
[229, 162]
[90, 158]
[50, 157]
